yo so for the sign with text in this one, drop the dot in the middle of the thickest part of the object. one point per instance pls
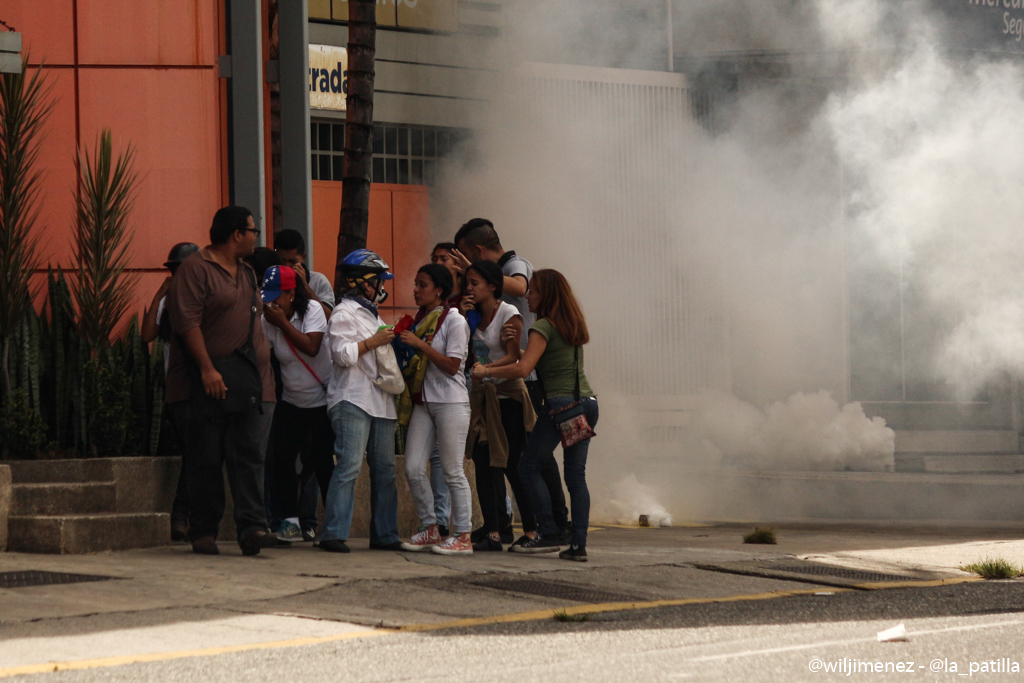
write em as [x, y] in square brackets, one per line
[385, 11]
[983, 24]
[328, 77]
[432, 15]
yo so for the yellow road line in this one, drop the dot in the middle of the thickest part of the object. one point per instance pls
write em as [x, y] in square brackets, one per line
[917, 584]
[630, 606]
[104, 662]
[609, 607]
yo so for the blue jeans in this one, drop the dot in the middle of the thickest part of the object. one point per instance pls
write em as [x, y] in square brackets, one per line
[540, 445]
[357, 433]
[442, 496]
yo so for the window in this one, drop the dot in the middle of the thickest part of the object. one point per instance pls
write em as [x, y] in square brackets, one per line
[402, 155]
[327, 143]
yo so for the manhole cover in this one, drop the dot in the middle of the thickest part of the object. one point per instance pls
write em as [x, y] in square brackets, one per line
[550, 589]
[38, 578]
[842, 572]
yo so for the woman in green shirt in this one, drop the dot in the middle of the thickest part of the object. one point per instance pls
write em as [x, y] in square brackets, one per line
[555, 350]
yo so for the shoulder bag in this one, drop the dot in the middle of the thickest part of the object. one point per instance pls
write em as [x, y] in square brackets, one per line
[291, 346]
[241, 374]
[571, 420]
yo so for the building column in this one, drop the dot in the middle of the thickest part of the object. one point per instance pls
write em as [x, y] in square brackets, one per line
[248, 175]
[296, 187]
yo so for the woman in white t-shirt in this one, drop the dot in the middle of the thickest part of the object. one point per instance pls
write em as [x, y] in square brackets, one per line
[496, 448]
[295, 330]
[440, 414]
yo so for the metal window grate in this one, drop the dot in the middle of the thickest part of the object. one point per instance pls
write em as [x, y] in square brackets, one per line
[842, 572]
[551, 589]
[33, 577]
[402, 155]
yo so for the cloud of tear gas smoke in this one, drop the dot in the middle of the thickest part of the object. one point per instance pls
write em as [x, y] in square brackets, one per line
[804, 432]
[710, 252]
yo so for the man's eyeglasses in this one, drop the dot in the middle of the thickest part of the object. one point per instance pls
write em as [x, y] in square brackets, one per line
[255, 231]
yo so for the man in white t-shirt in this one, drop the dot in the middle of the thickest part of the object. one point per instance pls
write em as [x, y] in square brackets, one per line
[290, 245]
[477, 240]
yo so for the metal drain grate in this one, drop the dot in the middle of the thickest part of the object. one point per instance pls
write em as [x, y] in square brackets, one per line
[38, 578]
[842, 573]
[550, 589]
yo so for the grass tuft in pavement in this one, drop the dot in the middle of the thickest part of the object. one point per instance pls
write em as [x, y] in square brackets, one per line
[761, 535]
[993, 569]
[564, 616]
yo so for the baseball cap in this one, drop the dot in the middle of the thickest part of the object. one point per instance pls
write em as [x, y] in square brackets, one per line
[276, 280]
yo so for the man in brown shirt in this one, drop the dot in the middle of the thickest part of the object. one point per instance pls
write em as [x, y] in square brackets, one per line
[213, 304]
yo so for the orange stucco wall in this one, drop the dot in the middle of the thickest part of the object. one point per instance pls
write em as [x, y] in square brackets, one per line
[147, 71]
[398, 231]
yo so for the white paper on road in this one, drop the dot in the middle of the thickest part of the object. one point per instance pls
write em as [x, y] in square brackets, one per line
[896, 634]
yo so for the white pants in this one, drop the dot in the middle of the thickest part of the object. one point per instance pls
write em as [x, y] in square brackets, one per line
[445, 425]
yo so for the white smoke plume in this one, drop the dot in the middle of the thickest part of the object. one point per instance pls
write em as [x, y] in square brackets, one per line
[805, 432]
[877, 133]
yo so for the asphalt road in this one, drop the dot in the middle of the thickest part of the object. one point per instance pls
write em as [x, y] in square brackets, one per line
[657, 605]
[959, 629]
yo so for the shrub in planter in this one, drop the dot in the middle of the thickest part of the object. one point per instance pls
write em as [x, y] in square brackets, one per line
[22, 430]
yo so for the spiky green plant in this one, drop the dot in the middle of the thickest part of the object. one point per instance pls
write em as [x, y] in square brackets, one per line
[103, 290]
[761, 535]
[24, 106]
[994, 569]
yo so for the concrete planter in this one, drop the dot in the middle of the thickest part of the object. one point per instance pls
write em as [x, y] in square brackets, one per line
[84, 506]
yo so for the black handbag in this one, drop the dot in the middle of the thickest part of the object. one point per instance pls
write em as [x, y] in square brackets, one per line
[571, 420]
[241, 374]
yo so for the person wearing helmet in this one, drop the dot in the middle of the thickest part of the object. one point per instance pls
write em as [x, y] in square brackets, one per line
[157, 323]
[361, 406]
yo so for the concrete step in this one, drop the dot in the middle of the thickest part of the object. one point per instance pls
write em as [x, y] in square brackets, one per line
[71, 471]
[63, 498]
[900, 497]
[961, 441]
[961, 463]
[87, 533]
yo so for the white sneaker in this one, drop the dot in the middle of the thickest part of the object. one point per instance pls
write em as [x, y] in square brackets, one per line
[453, 545]
[423, 541]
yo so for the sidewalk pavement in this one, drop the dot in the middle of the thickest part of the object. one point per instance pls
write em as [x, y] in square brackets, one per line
[171, 599]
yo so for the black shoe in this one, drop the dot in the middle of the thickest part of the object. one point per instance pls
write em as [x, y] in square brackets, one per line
[397, 545]
[205, 545]
[564, 535]
[179, 532]
[258, 540]
[576, 553]
[478, 535]
[334, 546]
[486, 545]
[443, 531]
[541, 544]
[507, 535]
[309, 533]
[522, 539]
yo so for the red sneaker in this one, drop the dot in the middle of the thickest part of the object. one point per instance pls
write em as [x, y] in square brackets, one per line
[457, 544]
[423, 541]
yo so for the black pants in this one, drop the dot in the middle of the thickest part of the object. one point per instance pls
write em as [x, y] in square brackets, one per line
[549, 467]
[179, 414]
[490, 481]
[238, 442]
[303, 433]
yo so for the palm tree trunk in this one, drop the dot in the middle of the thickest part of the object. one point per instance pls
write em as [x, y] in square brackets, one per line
[355, 193]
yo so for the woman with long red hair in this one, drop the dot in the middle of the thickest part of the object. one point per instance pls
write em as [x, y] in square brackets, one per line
[555, 350]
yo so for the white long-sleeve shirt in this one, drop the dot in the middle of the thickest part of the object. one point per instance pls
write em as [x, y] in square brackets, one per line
[350, 380]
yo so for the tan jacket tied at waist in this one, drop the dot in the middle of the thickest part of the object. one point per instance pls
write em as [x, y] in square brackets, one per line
[485, 417]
